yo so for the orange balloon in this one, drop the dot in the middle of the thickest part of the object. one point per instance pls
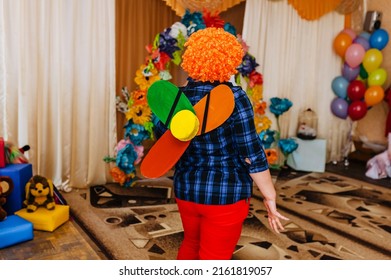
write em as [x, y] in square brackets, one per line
[373, 95]
[341, 43]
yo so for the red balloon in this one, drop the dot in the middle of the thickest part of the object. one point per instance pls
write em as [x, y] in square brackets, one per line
[357, 110]
[356, 90]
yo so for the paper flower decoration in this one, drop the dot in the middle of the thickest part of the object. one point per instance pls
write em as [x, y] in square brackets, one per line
[271, 155]
[271, 138]
[267, 138]
[248, 65]
[287, 146]
[279, 106]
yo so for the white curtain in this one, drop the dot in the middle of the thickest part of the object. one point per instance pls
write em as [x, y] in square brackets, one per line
[57, 86]
[298, 62]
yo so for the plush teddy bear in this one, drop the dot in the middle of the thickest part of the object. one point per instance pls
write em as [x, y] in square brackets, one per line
[6, 187]
[39, 192]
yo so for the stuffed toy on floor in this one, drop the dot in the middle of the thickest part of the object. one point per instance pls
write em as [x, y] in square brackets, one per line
[379, 166]
[6, 187]
[11, 154]
[39, 193]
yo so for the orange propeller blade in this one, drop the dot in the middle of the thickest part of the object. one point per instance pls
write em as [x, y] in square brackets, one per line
[163, 155]
[214, 112]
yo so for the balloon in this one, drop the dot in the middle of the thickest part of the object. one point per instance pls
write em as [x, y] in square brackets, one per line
[356, 90]
[361, 79]
[340, 86]
[363, 72]
[350, 73]
[378, 39]
[357, 110]
[374, 95]
[372, 60]
[341, 43]
[377, 77]
[350, 32]
[365, 35]
[363, 42]
[339, 107]
[354, 55]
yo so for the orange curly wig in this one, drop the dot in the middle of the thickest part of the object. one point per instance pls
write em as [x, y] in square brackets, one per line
[212, 54]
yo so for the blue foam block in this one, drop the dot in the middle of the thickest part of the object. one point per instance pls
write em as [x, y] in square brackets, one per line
[14, 230]
[20, 175]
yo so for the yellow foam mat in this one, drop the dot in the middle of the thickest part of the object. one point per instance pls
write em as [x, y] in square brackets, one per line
[44, 219]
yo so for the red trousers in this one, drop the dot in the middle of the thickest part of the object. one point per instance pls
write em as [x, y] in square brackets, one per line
[211, 232]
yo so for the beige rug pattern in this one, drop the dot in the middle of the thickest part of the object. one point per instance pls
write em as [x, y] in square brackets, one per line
[331, 217]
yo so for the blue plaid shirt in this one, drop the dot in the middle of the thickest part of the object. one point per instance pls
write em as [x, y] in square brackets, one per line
[213, 169]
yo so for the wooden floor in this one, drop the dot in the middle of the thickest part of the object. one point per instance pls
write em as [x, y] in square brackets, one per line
[68, 242]
[71, 242]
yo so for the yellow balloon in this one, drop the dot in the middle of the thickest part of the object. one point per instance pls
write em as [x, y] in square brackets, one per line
[372, 60]
[377, 77]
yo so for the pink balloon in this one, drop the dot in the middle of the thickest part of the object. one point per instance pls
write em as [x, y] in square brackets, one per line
[350, 32]
[354, 55]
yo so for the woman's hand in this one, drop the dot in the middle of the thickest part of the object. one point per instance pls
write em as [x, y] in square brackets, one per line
[274, 216]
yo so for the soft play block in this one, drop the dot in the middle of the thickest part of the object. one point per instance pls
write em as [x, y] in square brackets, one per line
[44, 219]
[309, 156]
[2, 153]
[14, 230]
[20, 175]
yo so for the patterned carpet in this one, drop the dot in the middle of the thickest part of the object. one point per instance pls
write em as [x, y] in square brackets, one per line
[331, 217]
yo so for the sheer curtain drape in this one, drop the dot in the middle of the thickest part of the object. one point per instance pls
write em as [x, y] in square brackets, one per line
[298, 62]
[57, 86]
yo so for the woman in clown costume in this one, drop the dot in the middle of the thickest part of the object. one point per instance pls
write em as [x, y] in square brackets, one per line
[214, 178]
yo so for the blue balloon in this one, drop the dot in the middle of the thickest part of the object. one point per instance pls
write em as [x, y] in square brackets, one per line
[365, 35]
[362, 41]
[339, 107]
[340, 86]
[379, 39]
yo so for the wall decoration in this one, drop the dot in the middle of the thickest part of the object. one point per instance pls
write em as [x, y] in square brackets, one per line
[181, 6]
[277, 149]
[164, 52]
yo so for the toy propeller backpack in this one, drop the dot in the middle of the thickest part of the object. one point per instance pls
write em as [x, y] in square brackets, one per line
[211, 55]
[183, 121]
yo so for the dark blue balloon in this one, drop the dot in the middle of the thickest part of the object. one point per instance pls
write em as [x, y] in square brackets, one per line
[379, 39]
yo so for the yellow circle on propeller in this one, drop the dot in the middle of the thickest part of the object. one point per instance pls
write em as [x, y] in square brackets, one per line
[184, 125]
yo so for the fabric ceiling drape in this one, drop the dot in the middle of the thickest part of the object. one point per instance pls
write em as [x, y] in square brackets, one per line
[314, 9]
[180, 6]
[298, 63]
[58, 86]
